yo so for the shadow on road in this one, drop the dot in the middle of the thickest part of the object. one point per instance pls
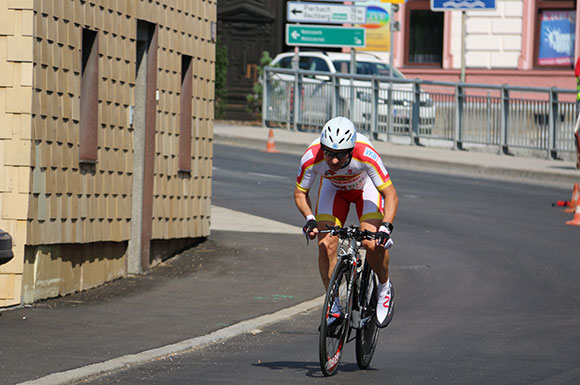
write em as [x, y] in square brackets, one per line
[311, 369]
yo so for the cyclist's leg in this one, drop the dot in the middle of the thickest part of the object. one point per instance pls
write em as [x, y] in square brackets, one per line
[370, 211]
[377, 257]
[371, 217]
[331, 210]
[327, 247]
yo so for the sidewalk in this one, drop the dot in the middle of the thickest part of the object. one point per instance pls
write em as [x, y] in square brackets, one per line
[540, 171]
[221, 288]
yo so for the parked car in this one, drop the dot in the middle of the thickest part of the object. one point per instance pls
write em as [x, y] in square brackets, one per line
[6, 253]
[356, 100]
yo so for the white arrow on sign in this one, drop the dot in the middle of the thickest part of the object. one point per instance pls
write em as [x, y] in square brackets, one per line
[295, 34]
[325, 13]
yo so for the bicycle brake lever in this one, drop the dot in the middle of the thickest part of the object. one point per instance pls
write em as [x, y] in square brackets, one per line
[369, 234]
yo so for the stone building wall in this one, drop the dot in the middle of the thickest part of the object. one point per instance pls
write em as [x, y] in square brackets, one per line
[16, 81]
[72, 220]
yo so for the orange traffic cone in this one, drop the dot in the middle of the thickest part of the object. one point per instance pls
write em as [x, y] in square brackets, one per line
[576, 220]
[573, 200]
[270, 145]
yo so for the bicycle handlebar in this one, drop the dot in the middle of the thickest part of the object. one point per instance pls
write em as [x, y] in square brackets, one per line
[349, 232]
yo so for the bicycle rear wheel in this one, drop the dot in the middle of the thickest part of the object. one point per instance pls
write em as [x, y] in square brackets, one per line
[366, 338]
[334, 326]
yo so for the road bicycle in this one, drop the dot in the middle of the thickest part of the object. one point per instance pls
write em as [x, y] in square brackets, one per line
[350, 303]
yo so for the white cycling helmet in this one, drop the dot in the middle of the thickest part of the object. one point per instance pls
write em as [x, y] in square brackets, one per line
[339, 134]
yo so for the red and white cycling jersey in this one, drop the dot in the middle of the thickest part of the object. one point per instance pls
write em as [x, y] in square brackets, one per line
[366, 163]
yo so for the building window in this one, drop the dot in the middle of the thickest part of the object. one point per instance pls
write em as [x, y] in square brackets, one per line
[555, 34]
[185, 117]
[89, 103]
[423, 35]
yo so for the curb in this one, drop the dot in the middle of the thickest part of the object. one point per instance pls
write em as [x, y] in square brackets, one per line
[132, 360]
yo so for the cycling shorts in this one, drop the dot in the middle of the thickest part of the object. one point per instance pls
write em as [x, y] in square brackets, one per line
[333, 203]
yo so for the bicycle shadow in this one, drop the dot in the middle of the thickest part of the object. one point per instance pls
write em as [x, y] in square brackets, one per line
[310, 369]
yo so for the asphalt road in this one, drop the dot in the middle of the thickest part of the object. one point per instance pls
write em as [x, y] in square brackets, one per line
[486, 276]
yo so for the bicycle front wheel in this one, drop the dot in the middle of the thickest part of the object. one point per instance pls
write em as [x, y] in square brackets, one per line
[366, 338]
[334, 326]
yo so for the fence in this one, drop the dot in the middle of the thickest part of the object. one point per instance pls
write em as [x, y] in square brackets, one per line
[503, 116]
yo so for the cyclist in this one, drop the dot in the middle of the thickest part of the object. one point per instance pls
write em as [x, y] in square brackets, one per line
[351, 172]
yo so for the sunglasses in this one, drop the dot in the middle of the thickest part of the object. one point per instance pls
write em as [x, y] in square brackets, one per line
[334, 154]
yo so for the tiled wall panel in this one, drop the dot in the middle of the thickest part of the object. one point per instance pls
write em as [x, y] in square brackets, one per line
[16, 93]
[47, 198]
[55, 122]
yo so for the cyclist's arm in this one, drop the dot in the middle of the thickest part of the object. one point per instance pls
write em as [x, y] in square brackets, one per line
[380, 176]
[391, 199]
[302, 200]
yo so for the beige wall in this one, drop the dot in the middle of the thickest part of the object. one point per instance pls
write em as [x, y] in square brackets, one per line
[48, 200]
[16, 63]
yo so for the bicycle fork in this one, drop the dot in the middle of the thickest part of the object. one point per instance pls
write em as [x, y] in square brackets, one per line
[356, 321]
[356, 298]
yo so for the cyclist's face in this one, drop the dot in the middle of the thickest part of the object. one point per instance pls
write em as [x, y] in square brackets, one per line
[336, 159]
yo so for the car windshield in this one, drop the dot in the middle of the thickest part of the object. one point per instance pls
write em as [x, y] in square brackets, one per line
[367, 68]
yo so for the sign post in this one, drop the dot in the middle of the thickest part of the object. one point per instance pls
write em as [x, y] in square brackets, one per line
[393, 27]
[299, 35]
[462, 5]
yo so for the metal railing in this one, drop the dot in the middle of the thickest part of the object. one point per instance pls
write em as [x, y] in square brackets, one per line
[502, 116]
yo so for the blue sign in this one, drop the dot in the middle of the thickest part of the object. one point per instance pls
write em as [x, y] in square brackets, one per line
[557, 38]
[462, 5]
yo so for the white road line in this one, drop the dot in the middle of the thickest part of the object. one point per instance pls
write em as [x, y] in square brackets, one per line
[131, 360]
[267, 175]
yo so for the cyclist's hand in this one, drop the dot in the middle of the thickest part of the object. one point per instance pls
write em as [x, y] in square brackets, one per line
[310, 229]
[383, 236]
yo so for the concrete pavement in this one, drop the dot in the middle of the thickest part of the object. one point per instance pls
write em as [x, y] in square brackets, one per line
[180, 304]
[228, 285]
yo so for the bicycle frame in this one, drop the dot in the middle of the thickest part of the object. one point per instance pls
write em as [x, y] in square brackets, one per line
[350, 254]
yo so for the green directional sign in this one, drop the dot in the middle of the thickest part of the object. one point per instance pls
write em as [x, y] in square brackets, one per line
[324, 36]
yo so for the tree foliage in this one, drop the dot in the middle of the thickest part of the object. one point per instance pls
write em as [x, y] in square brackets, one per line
[221, 75]
[254, 99]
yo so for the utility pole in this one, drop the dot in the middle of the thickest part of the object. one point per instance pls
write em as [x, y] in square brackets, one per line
[393, 27]
[462, 77]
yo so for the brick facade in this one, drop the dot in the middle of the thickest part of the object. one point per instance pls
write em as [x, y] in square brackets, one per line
[71, 222]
